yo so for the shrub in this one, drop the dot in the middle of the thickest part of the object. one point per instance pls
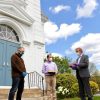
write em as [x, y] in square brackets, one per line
[62, 92]
[94, 87]
[96, 79]
[66, 80]
[74, 90]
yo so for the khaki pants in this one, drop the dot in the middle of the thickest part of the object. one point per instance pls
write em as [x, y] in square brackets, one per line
[51, 86]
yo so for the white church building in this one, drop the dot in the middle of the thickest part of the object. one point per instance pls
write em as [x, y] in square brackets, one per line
[21, 24]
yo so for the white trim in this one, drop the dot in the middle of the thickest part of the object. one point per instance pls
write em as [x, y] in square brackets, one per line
[10, 41]
[19, 2]
[26, 42]
[15, 25]
[10, 35]
[5, 87]
[26, 18]
[39, 43]
[16, 17]
[9, 87]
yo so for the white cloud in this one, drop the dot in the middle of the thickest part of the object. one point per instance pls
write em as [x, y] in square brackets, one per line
[53, 32]
[59, 8]
[91, 44]
[53, 54]
[57, 55]
[69, 52]
[87, 9]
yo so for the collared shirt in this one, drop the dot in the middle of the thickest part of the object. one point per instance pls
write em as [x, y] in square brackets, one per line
[78, 61]
[49, 67]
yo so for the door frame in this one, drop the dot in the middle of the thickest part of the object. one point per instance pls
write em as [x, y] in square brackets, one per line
[5, 59]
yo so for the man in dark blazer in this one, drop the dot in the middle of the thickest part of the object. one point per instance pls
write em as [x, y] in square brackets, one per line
[82, 74]
[18, 74]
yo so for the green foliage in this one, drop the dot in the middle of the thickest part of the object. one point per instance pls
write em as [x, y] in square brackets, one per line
[62, 64]
[62, 92]
[74, 90]
[94, 98]
[66, 80]
[96, 79]
[94, 87]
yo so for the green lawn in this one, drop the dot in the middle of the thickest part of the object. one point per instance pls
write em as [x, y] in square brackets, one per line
[95, 98]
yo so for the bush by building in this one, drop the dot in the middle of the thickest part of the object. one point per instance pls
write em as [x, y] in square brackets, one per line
[66, 81]
[67, 86]
[96, 79]
[94, 87]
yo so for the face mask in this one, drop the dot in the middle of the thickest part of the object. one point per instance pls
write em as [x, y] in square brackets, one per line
[21, 53]
[78, 53]
[50, 59]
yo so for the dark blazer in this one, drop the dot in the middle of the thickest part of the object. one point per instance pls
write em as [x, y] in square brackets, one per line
[17, 65]
[82, 69]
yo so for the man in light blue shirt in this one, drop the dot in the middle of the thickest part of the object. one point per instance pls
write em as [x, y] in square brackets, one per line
[50, 70]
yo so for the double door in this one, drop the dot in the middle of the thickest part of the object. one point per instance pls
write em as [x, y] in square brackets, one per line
[7, 48]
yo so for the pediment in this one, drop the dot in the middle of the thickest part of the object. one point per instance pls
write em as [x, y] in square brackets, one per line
[11, 10]
[18, 2]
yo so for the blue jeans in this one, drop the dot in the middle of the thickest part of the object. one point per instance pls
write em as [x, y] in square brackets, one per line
[17, 85]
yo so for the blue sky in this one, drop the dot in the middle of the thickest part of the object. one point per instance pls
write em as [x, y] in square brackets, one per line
[71, 24]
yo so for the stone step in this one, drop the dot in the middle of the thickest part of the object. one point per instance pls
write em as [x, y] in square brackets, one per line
[35, 98]
[28, 93]
[32, 93]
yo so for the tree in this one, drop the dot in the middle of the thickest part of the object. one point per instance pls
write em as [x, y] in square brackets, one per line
[92, 68]
[62, 64]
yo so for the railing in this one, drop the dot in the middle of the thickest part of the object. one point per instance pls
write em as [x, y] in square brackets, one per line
[35, 80]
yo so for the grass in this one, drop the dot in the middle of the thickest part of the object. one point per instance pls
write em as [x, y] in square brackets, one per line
[95, 98]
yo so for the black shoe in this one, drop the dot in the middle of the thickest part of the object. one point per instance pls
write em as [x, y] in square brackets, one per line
[83, 98]
[90, 99]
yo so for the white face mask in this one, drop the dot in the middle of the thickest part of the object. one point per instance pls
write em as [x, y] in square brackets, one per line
[78, 53]
[50, 59]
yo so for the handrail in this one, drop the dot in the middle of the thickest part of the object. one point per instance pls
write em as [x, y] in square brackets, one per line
[35, 79]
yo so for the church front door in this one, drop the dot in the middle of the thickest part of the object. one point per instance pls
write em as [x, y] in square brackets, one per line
[7, 48]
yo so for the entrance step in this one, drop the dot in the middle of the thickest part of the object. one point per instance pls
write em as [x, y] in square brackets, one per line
[28, 93]
[4, 93]
[35, 98]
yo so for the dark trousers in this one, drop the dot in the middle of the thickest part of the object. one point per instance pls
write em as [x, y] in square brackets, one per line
[84, 88]
[17, 85]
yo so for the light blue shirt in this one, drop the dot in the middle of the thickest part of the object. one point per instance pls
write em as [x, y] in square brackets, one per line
[49, 66]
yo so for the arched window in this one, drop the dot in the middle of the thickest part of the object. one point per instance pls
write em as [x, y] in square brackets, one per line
[8, 33]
